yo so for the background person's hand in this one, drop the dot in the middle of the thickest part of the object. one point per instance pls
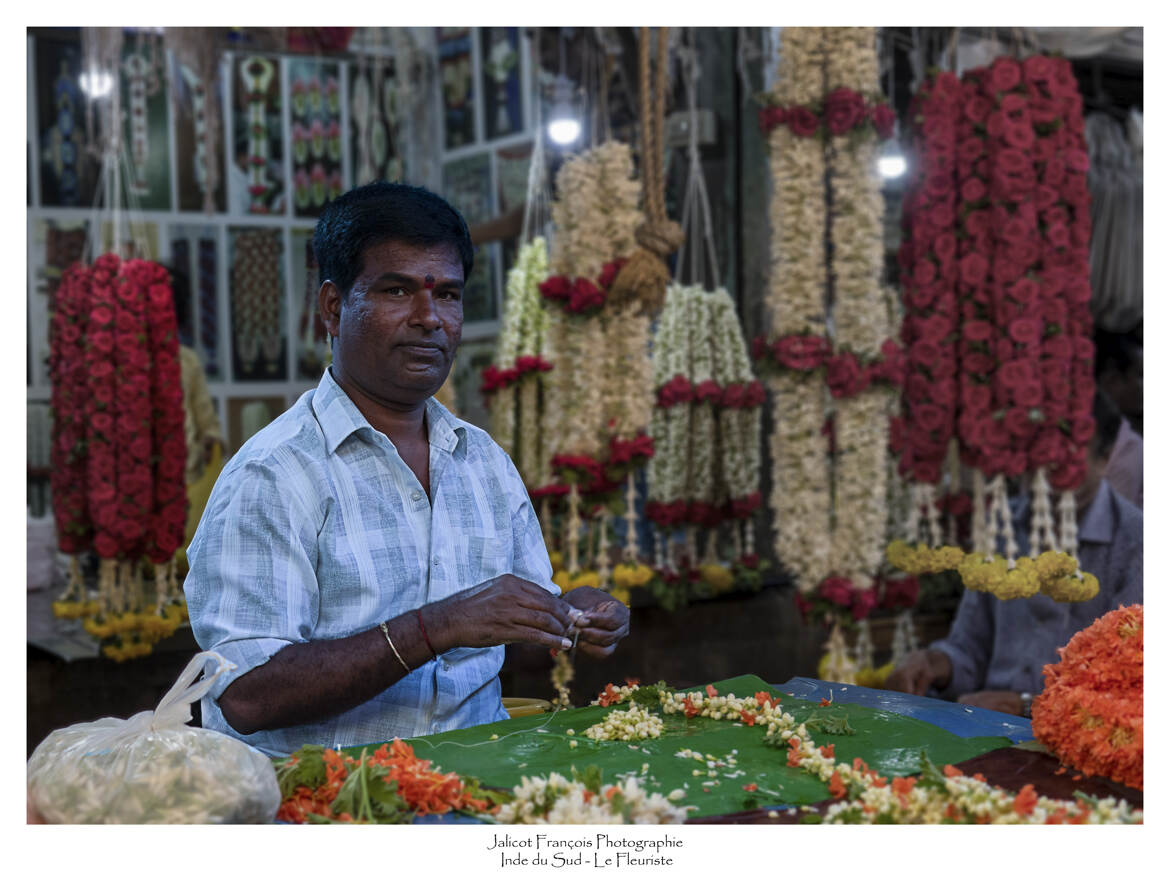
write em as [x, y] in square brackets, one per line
[995, 699]
[505, 610]
[919, 671]
[605, 621]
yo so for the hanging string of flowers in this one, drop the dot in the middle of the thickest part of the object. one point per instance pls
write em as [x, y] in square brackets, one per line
[117, 328]
[1024, 354]
[795, 302]
[513, 383]
[860, 320]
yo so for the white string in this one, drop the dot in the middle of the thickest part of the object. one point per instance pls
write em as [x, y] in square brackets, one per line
[536, 197]
[696, 223]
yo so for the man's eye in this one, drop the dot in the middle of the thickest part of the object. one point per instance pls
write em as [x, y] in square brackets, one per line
[396, 291]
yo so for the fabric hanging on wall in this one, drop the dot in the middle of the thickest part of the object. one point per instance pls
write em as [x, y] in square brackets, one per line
[208, 307]
[181, 262]
[1115, 186]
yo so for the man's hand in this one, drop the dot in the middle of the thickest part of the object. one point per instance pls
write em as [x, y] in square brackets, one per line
[604, 622]
[506, 610]
[919, 671]
[995, 699]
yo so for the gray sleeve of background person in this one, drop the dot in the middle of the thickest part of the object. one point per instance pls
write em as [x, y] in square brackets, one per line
[968, 645]
[1127, 549]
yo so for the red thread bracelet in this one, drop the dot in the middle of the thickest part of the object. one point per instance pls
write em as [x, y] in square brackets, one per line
[423, 629]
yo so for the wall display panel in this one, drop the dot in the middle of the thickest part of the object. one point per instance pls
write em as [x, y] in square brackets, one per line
[373, 122]
[195, 102]
[137, 239]
[257, 165]
[146, 126]
[247, 415]
[192, 255]
[457, 80]
[502, 104]
[68, 173]
[257, 287]
[467, 184]
[315, 110]
[480, 295]
[312, 340]
[512, 164]
[472, 359]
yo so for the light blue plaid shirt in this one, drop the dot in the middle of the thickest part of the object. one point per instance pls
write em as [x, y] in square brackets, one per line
[317, 529]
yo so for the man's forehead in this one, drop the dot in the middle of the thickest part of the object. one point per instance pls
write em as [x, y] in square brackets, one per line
[394, 254]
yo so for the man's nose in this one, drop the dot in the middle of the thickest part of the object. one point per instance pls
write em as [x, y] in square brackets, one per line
[423, 312]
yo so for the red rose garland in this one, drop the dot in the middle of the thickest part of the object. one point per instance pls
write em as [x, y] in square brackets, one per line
[101, 410]
[67, 375]
[929, 273]
[166, 395]
[843, 111]
[132, 429]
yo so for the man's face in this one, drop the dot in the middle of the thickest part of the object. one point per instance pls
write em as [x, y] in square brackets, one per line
[399, 326]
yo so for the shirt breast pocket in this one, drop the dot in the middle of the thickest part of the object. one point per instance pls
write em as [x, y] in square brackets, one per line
[483, 556]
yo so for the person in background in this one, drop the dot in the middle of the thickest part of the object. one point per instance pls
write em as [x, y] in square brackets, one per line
[995, 653]
[200, 422]
[1119, 376]
[364, 558]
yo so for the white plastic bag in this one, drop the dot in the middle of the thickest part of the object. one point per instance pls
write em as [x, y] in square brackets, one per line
[153, 768]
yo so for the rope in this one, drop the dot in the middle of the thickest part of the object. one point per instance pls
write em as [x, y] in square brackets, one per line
[695, 222]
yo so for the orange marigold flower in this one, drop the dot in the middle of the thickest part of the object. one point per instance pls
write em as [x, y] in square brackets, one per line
[750, 787]
[1025, 800]
[794, 757]
[689, 708]
[748, 718]
[827, 751]
[837, 786]
[951, 771]
[711, 693]
[825, 702]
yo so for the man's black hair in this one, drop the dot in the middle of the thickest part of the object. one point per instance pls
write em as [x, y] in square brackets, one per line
[378, 212]
[1108, 418]
[1118, 351]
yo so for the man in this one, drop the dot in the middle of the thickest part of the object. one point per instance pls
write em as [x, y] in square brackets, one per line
[995, 653]
[364, 557]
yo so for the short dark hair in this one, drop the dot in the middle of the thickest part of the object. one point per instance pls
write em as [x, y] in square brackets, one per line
[377, 212]
[1108, 418]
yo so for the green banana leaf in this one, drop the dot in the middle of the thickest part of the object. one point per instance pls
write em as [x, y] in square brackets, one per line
[536, 745]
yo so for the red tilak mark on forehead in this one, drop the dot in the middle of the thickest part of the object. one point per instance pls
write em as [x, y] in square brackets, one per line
[429, 281]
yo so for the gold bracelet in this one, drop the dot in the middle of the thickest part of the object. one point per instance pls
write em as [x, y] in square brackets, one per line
[386, 631]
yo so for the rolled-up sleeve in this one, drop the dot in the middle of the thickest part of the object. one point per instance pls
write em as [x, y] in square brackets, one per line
[251, 589]
[529, 553]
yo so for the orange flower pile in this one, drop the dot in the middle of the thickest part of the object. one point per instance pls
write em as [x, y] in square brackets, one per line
[424, 789]
[1090, 713]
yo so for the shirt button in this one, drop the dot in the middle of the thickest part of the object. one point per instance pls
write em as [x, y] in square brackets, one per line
[416, 496]
[446, 665]
[435, 561]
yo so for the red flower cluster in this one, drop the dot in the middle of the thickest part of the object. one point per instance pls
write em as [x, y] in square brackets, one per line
[1091, 712]
[804, 353]
[577, 295]
[681, 512]
[845, 373]
[118, 401]
[897, 594]
[70, 394]
[609, 272]
[628, 454]
[494, 378]
[927, 259]
[835, 597]
[844, 110]
[1019, 245]
[679, 390]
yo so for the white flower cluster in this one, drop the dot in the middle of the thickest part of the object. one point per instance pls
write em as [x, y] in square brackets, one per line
[669, 472]
[738, 428]
[850, 60]
[633, 724]
[556, 799]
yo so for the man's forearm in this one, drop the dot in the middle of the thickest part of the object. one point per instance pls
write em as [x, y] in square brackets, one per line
[309, 682]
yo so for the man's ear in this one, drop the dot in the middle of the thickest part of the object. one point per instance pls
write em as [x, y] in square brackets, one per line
[329, 304]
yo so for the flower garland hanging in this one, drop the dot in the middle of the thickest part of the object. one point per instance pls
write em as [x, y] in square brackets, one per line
[1025, 375]
[795, 300]
[134, 448]
[1090, 713]
[860, 319]
[513, 384]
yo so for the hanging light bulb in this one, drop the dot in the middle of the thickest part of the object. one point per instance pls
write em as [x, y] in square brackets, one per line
[891, 162]
[96, 83]
[564, 126]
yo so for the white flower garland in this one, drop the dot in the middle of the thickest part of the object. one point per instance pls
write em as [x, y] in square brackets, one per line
[860, 318]
[558, 800]
[800, 463]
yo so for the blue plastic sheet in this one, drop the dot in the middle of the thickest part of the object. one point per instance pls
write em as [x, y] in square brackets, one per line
[958, 719]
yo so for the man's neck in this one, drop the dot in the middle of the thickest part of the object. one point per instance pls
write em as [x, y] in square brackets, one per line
[397, 422]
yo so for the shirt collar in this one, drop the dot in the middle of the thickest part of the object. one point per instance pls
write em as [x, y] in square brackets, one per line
[339, 418]
[1097, 524]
